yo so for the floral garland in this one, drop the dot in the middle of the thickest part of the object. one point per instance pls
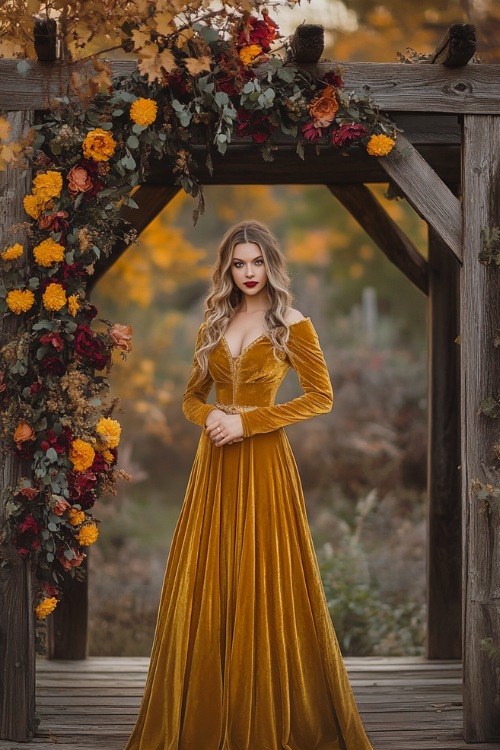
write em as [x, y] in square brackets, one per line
[88, 159]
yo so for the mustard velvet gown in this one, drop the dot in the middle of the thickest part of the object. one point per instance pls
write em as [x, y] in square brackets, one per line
[245, 656]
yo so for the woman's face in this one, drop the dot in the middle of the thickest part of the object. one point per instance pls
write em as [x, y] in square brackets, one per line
[248, 269]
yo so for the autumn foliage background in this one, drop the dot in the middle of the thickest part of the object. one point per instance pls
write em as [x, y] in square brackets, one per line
[364, 465]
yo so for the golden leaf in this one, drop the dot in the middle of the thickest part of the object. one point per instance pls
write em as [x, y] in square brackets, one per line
[183, 38]
[196, 65]
[167, 60]
[141, 39]
[5, 128]
[164, 25]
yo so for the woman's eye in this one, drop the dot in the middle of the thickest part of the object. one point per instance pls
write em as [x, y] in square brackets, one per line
[259, 262]
[238, 264]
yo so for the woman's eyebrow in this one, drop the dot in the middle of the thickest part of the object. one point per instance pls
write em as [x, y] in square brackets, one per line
[256, 258]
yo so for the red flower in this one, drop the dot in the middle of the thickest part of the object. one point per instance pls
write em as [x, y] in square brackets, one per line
[255, 124]
[348, 133]
[36, 387]
[90, 312]
[53, 338]
[29, 492]
[331, 78]
[310, 132]
[177, 83]
[257, 31]
[80, 488]
[60, 442]
[29, 524]
[53, 365]
[55, 222]
[90, 347]
[72, 271]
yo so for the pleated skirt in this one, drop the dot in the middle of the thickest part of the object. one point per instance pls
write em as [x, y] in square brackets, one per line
[245, 656]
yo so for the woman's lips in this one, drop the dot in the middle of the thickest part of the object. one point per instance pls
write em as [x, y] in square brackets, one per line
[250, 283]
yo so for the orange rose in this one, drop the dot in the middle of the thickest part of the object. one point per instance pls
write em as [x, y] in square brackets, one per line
[79, 181]
[323, 108]
[60, 506]
[121, 337]
[23, 433]
[75, 561]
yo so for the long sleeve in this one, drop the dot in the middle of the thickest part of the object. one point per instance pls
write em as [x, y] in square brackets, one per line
[194, 402]
[308, 361]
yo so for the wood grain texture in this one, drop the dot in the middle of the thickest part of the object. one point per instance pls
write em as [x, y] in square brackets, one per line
[480, 367]
[67, 627]
[17, 640]
[424, 190]
[406, 703]
[444, 521]
[394, 86]
[390, 238]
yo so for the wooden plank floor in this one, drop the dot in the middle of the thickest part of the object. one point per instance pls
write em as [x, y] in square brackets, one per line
[405, 703]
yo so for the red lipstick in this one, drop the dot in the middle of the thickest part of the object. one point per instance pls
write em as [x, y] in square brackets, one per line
[251, 283]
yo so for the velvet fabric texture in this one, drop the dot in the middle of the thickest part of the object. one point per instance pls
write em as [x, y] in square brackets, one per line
[245, 656]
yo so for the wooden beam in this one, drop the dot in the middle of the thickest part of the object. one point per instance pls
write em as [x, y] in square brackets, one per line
[457, 46]
[243, 165]
[390, 238]
[151, 199]
[480, 377]
[396, 87]
[17, 619]
[444, 521]
[67, 627]
[428, 195]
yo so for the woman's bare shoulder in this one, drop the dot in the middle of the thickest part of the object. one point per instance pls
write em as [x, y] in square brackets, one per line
[293, 316]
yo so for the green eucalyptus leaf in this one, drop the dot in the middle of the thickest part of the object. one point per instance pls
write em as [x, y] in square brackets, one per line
[133, 141]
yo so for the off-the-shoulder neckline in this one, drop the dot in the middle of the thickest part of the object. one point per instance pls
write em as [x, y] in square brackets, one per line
[302, 320]
[259, 338]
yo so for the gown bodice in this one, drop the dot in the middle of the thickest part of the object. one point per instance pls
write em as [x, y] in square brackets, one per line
[249, 382]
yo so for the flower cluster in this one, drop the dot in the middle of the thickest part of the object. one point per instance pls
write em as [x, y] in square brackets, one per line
[52, 387]
[87, 161]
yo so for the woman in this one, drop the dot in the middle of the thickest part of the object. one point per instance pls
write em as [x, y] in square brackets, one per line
[244, 655]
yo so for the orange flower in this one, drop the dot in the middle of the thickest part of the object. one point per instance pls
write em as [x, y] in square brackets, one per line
[143, 111]
[99, 145]
[75, 562]
[323, 108]
[48, 252]
[121, 337]
[20, 300]
[23, 433]
[45, 607]
[35, 204]
[249, 53]
[81, 454]
[11, 253]
[79, 181]
[54, 297]
[48, 185]
[60, 506]
[380, 145]
[88, 534]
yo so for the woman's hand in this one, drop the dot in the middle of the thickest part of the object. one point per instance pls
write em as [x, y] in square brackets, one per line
[224, 429]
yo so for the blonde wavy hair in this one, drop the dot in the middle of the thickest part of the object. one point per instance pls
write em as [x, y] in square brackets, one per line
[224, 297]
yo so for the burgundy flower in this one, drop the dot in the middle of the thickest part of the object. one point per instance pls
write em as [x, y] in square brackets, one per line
[255, 124]
[177, 83]
[90, 312]
[80, 488]
[60, 442]
[53, 365]
[331, 78]
[72, 271]
[29, 524]
[50, 590]
[257, 31]
[90, 347]
[53, 338]
[348, 133]
[310, 132]
[87, 500]
[36, 387]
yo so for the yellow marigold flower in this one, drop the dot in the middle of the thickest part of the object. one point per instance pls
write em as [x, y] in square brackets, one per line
[35, 204]
[99, 145]
[73, 304]
[108, 456]
[109, 431]
[143, 111]
[81, 455]
[75, 516]
[20, 300]
[48, 252]
[54, 297]
[45, 607]
[88, 534]
[48, 185]
[11, 253]
[249, 53]
[380, 145]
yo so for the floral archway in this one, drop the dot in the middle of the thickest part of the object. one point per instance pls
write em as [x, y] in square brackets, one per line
[88, 157]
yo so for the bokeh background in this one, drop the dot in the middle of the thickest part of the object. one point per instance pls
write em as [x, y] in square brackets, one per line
[363, 466]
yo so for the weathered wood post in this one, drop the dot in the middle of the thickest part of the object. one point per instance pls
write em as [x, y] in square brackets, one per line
[444, 522]
[480, 377]
[17, 633]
